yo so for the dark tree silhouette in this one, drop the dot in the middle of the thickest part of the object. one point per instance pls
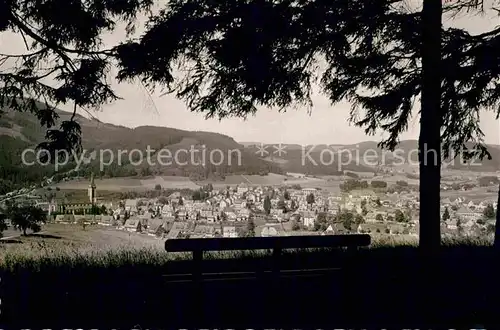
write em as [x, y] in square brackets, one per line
[310, 199]
[3, 224]
[250, 228]
[267, 204]
[496, 243]
[446, 214]
[399, 216]
[430, 126]
[63, 45]
[26, 217]
[489, 211]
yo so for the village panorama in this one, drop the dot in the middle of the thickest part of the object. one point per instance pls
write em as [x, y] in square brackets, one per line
[146, 211]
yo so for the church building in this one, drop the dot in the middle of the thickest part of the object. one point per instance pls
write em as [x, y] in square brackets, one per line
[81, 207]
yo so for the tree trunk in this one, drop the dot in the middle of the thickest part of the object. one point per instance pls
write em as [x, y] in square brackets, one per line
[24, 232]
[430, 161]
[497, 223]
[430, 127]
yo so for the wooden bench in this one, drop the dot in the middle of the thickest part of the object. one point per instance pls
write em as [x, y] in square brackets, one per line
[277, 244]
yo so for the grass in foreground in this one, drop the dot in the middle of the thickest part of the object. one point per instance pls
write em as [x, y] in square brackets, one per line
[81, 283]
[37, 254]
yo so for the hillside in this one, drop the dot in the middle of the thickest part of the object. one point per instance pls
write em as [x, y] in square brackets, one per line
[406, 154]
[19, 131]
[363, 157]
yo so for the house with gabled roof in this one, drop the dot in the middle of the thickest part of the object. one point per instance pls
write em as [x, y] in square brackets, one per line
[329, 231]
[105, 220]
[446, 202]
[308, 218]
[203, 231]
[182, 215]
[231, 216]
[270, 230]
[131, 205]
[193, 215]
[229, 231]
[243, 215]
[133, 225]
[467, 214]
[242, 188]
[65, 218]
[223, 204]
[155, 227]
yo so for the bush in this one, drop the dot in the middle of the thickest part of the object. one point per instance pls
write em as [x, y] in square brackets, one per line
[352, 175]
[5, 123]
[378, 184]
[481, 221]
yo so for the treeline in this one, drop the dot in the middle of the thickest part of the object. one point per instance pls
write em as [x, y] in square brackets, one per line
[352, 184]
[154, 193]
[13, 173]
[203, 193]
[486, 181]
[461, 186]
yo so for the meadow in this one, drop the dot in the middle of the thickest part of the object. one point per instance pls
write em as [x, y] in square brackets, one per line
[177, 182]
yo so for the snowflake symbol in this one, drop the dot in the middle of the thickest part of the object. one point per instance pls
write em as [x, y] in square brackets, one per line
[261, 150]
[280, 149]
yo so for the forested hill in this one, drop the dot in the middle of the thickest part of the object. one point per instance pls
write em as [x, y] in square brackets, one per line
[19, 131]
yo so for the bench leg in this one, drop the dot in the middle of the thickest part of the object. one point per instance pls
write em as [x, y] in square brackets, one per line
[276, 263]
[275, 276]
[199, 296]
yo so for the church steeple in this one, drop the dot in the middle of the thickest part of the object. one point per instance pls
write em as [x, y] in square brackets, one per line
[91, 190]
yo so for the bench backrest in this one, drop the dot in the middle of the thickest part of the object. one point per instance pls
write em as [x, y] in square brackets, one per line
[266, 243]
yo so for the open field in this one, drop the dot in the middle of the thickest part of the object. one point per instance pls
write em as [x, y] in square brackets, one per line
[81, 195]
[475, 194]
[467, 174]
[114, 184]
[234, 180]
[392, 179]
[328, 183]
[170, 182]
[124, 184]
[66, 238]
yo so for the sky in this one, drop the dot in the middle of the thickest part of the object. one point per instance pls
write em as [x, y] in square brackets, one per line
[324, 124]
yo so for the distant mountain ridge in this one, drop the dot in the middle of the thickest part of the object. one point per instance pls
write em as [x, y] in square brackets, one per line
[19, 131]
[368, 156]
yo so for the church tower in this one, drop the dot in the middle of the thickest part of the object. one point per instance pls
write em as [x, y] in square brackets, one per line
[92, 195]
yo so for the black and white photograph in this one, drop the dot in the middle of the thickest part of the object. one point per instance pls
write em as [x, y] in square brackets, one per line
[249, 164]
